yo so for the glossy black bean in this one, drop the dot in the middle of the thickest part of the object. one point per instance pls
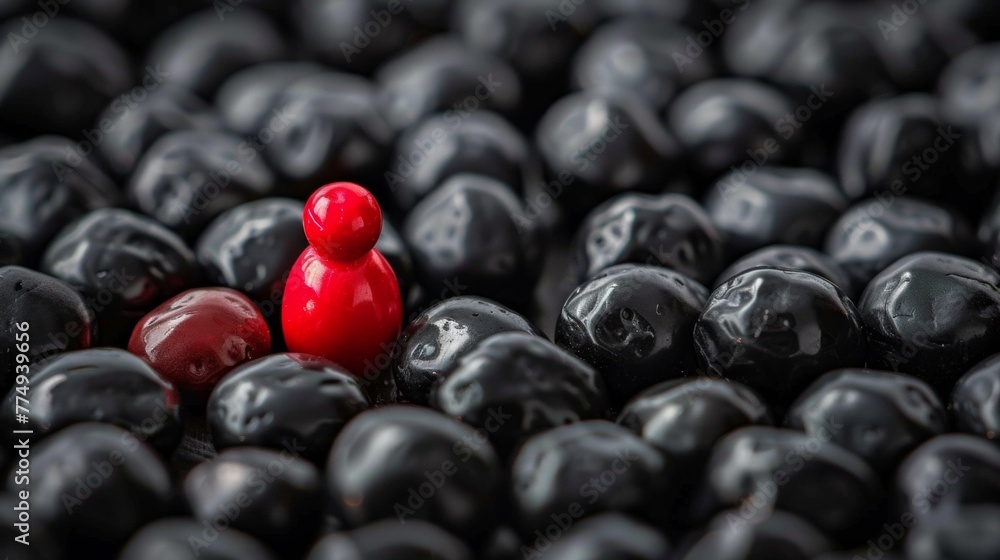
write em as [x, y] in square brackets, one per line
[359, 35]
[252, 247]
[274, 496]
[966, 534]
[804, 259]
[326, 127]
[40, 315]
[44, 185]
[246, 99]
[634, 324]
[874, 233]
[899, 145]
[187, 178]
[586, 468]
[390, 540]
[442, 74]
[635, 55]
[597, 145]
[975, 400]
[434, 341]
[284, 399]
[730, 123]
[669, 230]
[537, 37]
[56, 79]
[968, 84]
[945, 474]
[124, 132]
[609, 536]
[200, 52]
[100, 485]
[763, 468]
[514, 385]
[822, 53]
[123, 264]
[407, 463]
[684, 418]
[181, 538]
[879, 416]
[391, 245]
[100, 385]
[932, 315]
[774, 205]
[740, 534]
[472, 231]
[778, 330]
[444, 145]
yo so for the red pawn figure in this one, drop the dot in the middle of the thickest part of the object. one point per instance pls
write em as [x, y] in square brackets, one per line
[342, 298]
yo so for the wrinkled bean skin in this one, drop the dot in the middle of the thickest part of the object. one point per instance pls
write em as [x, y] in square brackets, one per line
[826, 485]
[908, 333]
[670, 230]
[514, 385]
[187, 178]
[871, 235]
[470, 231]
[383, 454]
[40, 193]
[434, 341]
[634, 324]
[778, 330]
[123, 264]
[794, 257]
[879, 416]
[774, 206]
[282, 399]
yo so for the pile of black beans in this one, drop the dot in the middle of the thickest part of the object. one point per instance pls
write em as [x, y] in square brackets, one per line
[684, 279]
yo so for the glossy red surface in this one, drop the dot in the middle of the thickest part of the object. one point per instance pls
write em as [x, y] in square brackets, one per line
[349, 311]
[342, 220]
[197, 337]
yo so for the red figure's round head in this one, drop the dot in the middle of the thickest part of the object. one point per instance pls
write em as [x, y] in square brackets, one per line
[342, 221]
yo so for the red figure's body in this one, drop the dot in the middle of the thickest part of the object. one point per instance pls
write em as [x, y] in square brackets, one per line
[342, 298]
